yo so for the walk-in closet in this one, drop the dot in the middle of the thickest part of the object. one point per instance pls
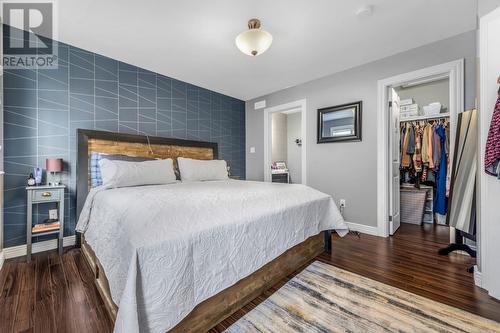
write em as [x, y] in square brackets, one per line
[424, 148]
[433, 158]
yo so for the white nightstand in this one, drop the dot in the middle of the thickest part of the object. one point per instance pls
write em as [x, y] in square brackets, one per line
[44, 194]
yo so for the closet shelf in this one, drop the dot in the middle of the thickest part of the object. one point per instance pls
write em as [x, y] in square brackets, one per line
[437, 116]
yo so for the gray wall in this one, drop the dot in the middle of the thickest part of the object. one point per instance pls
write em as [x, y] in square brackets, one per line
[278, 142]
[486, 6]
[423, 94]
[294, 151]
[348, 170]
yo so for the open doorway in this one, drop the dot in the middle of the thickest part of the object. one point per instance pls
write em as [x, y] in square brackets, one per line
[420, 114]
[409, 104]
[420, 152]
[284, 151]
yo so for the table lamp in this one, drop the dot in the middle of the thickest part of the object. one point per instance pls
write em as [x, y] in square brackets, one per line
[54, 168]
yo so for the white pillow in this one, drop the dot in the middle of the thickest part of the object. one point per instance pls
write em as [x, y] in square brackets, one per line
[125, 173]
[195, 170]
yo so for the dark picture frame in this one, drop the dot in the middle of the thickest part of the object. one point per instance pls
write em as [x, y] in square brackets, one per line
[346, 129]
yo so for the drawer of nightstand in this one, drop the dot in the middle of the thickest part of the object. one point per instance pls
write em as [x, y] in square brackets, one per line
[46, 195]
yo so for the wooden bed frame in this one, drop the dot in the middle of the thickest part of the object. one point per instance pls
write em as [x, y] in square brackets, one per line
[217, 308]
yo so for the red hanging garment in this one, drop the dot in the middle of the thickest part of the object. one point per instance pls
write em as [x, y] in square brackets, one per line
[492, 153]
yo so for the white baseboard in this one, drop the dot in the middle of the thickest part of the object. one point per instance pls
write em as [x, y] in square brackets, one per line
[494, 295]
[478, 281]
[478, 277]
[20, 250]
[2, 259]
[364, 229]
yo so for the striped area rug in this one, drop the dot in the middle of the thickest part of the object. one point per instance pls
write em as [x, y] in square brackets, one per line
[324, 298]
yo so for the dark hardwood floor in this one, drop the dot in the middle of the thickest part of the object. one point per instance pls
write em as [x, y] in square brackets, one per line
[50, 294]
[409, 261]
[56, 294]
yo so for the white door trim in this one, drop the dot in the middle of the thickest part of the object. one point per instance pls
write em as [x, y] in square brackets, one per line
[485, 272]
[455, 71]
[300, 104]
[2, 148]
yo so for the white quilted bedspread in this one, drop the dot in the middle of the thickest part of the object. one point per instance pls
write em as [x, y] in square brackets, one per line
[167, 248]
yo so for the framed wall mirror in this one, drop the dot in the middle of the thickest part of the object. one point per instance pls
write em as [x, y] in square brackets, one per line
[340, 123]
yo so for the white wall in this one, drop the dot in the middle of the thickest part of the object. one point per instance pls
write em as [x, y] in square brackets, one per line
[278, 137]
[294, 151]
[489, 212]
[348, 170]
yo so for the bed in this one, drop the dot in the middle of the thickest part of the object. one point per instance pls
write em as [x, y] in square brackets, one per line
[182, 257]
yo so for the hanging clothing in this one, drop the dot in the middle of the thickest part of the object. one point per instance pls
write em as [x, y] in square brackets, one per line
[411, 143]
[425, 145]
[424, 173]
[431, 177]
[436, 149]
[417, 156]
[430, 132]
[418, 143]
[405, 158]
[492, 153]
[402, 131]
[440, 204]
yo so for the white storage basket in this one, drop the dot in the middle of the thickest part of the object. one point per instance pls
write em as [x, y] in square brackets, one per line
[412, 205]
[432, 109]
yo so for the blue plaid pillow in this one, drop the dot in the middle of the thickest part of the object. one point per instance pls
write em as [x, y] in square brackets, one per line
[95, 171]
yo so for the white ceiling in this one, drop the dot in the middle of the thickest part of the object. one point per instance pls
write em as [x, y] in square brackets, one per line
[194, 40]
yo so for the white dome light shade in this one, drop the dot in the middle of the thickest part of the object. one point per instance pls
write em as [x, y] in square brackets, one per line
[254, 41]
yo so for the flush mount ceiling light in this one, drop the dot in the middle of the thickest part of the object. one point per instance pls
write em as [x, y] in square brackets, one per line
[254, 41]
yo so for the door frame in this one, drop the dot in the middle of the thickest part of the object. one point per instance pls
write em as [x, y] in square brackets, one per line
[486, 274]
[455, 71]
[2, 149]
[295, 105]
[394, 223]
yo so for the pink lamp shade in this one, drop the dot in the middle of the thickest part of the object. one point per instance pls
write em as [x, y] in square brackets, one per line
[54, 164]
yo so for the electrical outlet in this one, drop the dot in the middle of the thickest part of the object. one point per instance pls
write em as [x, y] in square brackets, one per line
[342, 203]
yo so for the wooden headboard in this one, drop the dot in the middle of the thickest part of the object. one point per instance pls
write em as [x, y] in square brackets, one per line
[131, 145]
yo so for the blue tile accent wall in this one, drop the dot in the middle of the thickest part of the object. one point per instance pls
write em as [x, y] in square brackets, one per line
[44, 108]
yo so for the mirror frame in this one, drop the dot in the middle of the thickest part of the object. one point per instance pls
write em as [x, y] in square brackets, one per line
[358, 106]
